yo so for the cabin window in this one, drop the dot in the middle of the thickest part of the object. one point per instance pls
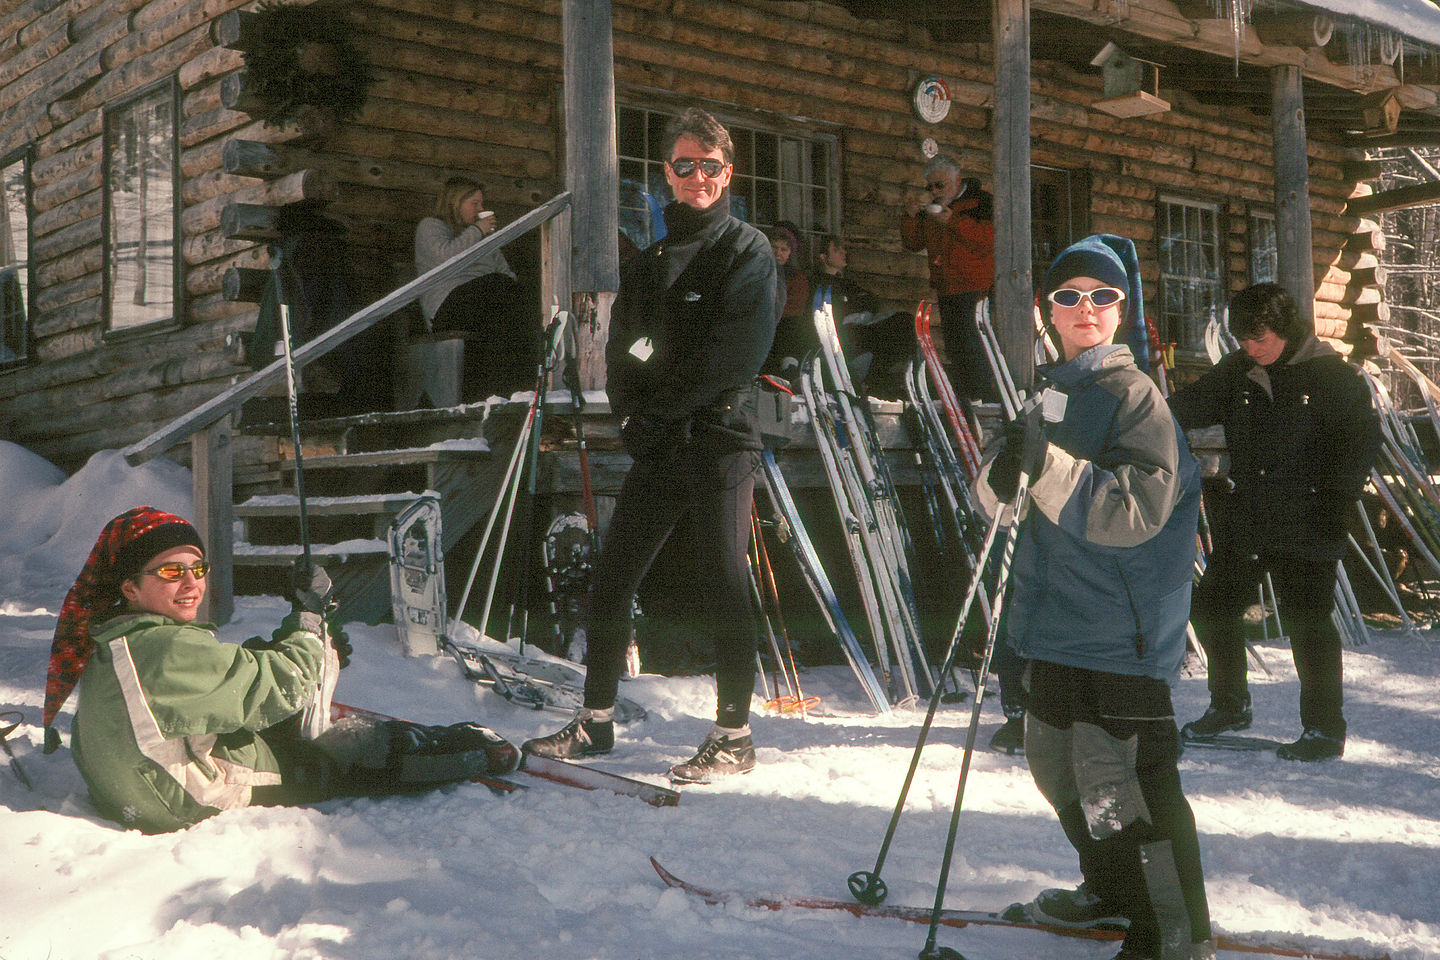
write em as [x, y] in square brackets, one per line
[787, 173]
[1191, 257]
[14, 259]
[1264, 248]
[1059, 202]
[141, 210]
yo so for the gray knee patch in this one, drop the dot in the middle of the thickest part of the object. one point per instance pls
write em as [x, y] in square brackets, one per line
[357, 742]
[1047, 749]
[1108, 785]
[1167, 899]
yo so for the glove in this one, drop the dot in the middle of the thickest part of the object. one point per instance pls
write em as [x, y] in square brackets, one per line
[650, 438]
[310, 587]
[1004, 477]
[312, 623]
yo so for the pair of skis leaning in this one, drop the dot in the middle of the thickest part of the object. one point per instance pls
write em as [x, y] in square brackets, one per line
[869, 512]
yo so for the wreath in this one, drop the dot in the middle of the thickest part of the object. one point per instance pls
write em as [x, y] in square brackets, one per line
[282, 85]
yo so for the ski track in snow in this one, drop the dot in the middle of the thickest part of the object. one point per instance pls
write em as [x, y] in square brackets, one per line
[1343, 855]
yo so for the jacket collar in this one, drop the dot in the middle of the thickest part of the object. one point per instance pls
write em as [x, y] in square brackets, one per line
[1310, 347]
[1088, 365]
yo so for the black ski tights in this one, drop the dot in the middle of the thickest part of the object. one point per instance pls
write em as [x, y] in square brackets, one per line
[712, 492]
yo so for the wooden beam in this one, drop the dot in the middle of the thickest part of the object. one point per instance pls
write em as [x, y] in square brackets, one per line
[1305, 30]
[1400, 198]
[1014, 296]
[1294, 238]
[591, 167]
[212, 480]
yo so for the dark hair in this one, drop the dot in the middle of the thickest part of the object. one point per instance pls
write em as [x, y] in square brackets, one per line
[696, 123]
[1266, 306]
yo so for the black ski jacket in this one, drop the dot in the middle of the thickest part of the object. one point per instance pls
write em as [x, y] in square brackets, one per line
[1302, 436]
[692, 325]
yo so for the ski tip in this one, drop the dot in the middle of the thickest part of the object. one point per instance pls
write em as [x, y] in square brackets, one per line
[670, 879]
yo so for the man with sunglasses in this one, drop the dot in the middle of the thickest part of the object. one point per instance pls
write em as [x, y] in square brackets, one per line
[957, 231]
[172, 726]
[1302, 436]
[689, 331]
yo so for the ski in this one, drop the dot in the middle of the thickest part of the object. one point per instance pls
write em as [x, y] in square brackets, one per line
[556, 771]
[800, 544]
[966, 918]
[1235, 741]
[532, 682]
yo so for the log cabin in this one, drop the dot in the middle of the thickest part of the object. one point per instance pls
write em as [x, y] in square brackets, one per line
[154, 151]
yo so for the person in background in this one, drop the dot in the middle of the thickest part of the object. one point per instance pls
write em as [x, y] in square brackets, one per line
[689, 331]
[1302, 436]
[795, 334]
[956, 229]
[483, 298]
[173, 726]
[1100, 591]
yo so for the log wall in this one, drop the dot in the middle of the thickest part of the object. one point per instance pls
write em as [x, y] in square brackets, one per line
[474, 88]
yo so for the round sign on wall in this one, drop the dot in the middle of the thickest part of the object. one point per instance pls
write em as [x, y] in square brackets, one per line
[930, 99]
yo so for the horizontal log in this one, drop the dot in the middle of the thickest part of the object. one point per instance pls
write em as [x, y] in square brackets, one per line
[60, 295]
[1302, 29]
[208, 66]
[1399, 198]
[66, 214]
[72, 316]
[209, 278]
[250, 221]
[245, 284]
[303, 186]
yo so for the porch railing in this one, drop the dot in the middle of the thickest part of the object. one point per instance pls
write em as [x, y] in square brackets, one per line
[207, 427]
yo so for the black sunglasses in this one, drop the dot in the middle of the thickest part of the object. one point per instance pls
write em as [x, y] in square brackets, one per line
[685, 167]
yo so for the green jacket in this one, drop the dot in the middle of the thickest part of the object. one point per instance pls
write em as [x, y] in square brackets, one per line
[166, 720]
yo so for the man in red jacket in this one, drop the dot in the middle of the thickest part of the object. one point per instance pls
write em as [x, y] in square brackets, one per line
[957, 231]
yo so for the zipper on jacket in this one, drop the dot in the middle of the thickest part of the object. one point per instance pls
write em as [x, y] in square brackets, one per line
[1139, 639]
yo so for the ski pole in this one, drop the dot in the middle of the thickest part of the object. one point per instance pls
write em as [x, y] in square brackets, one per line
[868, 887]
[1033, 414]
[315, 718]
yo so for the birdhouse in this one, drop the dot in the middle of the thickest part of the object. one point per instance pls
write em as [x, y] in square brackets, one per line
[1380, 113]
[1124, 78]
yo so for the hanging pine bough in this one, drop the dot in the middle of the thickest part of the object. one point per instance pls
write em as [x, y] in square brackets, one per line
[303, 56]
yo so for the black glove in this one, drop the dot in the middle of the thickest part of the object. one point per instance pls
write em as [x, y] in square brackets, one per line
[650, 438]
[1004, 475]
[340, 640]
[313, 623]
[310, 587]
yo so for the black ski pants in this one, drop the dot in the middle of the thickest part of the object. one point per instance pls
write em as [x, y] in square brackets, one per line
[967, 367]
[712, 492]
[1305, 595]
[1103, 749]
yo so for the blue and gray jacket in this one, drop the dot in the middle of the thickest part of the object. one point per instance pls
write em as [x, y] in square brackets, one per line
[1106, 557]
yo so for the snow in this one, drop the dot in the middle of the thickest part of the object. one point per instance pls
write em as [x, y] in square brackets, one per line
[1342, 856]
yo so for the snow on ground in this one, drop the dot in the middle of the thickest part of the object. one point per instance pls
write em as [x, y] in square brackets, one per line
[1338, 856]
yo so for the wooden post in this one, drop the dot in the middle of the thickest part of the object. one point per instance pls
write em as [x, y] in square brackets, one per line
[591, 167]
[211, 476]
[1294, 240]
[1013, 303]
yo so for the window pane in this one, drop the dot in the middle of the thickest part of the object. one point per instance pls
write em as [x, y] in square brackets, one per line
[140, 205]
[1190, 271]
[765, 155]
[14, 264]
[1264, 250]
[744, 150]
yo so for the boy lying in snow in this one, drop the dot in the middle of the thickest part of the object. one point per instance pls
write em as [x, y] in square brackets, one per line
[173, 726]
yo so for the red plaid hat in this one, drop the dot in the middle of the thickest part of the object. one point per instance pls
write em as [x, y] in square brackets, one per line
[126, 544]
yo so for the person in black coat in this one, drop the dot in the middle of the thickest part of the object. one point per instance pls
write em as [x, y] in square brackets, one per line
[693, 322]
[1302, 436]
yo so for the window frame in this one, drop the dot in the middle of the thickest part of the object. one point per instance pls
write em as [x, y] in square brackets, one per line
[171, 86]
[1163, 321]
[651, 103]
[1254, 216]
[25, 156]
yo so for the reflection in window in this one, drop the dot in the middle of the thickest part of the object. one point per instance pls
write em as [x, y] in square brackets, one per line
[140, 179]
[1188, 238]
[790, 176]
[1264, 248]
[14, 261]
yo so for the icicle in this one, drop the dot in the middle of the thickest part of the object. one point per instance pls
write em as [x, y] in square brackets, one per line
[1239, 17]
